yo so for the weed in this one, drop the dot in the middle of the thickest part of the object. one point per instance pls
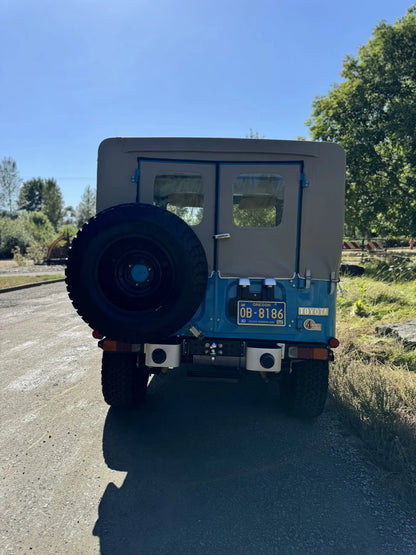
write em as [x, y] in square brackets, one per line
[396, 268]
[359, 309]
[18, 256]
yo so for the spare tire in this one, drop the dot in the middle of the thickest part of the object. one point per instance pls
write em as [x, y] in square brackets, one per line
[136, 273]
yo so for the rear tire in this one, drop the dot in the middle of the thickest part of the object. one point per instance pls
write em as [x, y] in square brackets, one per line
[303, 393]
[124, 382]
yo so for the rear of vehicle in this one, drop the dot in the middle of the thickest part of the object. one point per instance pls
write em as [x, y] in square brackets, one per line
[221, 254]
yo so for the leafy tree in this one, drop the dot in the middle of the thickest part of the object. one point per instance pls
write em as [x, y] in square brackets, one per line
[69, 230]
[372, 114]
[86, 208]
[9, 185]
[39, 227]
[31, 195]
[44, 195]
[53, 203]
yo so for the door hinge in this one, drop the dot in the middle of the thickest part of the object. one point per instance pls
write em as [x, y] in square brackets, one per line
[304, 182]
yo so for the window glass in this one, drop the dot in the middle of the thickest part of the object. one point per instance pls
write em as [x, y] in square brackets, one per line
[180, 193]
[258, 199]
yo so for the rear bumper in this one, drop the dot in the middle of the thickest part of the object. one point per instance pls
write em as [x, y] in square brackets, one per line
[258, 356]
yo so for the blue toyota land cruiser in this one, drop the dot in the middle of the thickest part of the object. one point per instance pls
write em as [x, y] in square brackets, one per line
[218, 254]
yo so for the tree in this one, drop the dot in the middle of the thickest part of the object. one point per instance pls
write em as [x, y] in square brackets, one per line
[254, 135]
[372, 114]
[86, 208]
[53, 203]
[39, 226]
[44, 195]
[31, 195]
[69, 230]
[9, 185]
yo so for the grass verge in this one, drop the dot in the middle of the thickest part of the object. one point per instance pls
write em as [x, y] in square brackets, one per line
[373, 379]
[15, 281]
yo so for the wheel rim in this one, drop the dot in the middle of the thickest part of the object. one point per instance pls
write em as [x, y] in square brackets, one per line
[137, 274]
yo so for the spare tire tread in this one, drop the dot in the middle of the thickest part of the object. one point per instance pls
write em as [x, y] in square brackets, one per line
[90, 303]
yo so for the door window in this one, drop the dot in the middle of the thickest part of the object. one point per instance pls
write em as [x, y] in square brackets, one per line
[181, 193]
[258, 199]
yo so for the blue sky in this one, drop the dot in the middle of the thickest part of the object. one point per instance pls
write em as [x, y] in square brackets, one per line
[75, 72]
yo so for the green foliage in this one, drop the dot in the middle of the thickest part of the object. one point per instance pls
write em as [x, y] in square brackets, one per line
[40, 227]
[43, 195]
[373, 379]
[86, 208]
[68, 229]
[31, 195]
[18, 256]
[192, 215]
[13, 233]
[37, 252]
[24, 231]
[9, 185]
[53, 203]
[372, 114]
[262, 217]
[383, 302]
[360, 309]
[395, 269]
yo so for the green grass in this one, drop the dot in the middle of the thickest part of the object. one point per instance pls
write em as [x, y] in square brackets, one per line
[373, 379]
[14, 281]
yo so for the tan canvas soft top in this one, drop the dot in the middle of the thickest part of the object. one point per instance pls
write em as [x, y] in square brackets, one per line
[319, 222]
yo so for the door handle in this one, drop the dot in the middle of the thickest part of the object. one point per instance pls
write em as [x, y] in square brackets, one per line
[222, 236]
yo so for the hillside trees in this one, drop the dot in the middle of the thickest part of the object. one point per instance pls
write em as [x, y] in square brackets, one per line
[372, 114]
[32, 215]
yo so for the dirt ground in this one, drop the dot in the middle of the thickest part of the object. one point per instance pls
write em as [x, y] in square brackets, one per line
[202, 468]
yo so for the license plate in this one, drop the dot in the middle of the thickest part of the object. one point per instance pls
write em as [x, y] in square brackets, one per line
[261, 313]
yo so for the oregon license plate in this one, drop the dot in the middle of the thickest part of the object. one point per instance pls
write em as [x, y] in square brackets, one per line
[261, 313]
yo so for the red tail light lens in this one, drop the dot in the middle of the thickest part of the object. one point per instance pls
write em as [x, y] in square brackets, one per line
[333, 342]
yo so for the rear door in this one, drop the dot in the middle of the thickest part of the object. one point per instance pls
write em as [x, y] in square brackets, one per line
[246, 215]
[185, 188]
[258, 219]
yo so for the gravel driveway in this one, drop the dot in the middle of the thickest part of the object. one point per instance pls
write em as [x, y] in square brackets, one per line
[202, 468]
[32, 270]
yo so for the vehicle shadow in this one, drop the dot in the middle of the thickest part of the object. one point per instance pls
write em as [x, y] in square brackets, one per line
[211, 468]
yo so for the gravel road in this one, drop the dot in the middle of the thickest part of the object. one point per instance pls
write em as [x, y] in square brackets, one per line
[203, 468]
[31, 270]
